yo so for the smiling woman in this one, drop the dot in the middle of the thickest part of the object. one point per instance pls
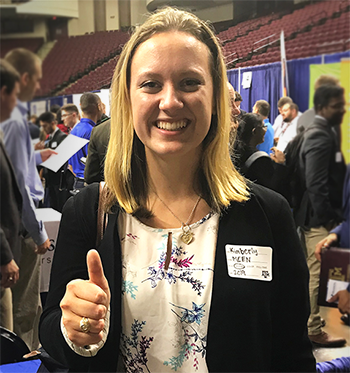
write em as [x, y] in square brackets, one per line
[194, 264]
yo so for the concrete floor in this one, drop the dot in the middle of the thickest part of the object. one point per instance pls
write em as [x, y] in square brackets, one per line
[335, 327]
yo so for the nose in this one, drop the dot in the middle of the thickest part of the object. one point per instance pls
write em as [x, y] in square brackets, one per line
[170, 98]
[235, 109]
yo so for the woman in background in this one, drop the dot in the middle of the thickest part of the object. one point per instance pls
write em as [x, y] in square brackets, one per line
[255, 165]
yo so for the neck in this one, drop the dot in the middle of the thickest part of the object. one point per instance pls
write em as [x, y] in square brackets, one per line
[173, 184]
[91, 117]
[172, 178]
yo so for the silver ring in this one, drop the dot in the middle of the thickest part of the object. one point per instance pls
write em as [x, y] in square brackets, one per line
[85, 325]
[10, 278]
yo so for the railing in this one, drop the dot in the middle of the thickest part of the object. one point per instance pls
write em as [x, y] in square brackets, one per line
[267, 38]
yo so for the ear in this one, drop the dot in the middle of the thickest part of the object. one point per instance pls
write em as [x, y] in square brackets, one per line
[25, 79]
[3, 91]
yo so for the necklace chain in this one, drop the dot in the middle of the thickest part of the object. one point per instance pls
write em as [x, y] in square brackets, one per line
[191, 215]
[187, 235]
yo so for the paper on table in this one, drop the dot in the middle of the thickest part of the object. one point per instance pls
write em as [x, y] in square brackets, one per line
[334, 286]
[68, 147]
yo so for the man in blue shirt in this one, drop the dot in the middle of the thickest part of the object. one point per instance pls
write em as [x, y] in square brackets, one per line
[91, 107]
[35, 241]
[262, 107]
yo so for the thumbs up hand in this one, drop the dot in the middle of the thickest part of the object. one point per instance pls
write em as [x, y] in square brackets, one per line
[86, 299]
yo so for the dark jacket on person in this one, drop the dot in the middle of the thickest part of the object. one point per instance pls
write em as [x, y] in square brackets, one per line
[54, 178]
[323, 170]
[10, 211]
[254, 326]
[94, 169]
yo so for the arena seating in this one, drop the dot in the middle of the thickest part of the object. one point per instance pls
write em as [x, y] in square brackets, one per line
[85, 63]
[96, 79]
[318, 28]
[33, 44]
[72, 57]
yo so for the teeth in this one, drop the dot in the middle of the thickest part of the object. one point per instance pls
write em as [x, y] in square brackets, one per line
[171, 126]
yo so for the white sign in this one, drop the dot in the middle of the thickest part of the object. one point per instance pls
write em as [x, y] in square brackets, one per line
[68, 147]
[51, 220]
[247, 79]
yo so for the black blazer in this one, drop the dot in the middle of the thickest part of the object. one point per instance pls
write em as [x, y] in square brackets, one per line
[323, 169]
[254, 326]
[95, 163]
[10, 210]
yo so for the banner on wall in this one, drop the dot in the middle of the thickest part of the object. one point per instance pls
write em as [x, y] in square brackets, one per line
[284, 70]
[341, 71]
[316, 71]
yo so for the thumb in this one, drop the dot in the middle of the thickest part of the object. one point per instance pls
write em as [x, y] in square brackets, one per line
[95, 270]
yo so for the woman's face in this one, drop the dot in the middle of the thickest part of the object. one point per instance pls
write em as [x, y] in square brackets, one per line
[171, 91]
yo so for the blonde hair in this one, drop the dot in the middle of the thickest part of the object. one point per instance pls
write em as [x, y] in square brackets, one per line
[126, 169]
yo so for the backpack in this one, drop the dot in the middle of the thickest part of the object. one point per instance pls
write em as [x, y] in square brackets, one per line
[295, 179]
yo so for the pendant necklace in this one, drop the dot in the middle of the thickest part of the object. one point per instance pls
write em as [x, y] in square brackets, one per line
[187, 234]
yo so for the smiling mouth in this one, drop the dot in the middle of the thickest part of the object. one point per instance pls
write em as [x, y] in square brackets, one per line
[174, 126]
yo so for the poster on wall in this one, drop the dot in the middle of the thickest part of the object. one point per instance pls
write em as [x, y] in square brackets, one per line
[341, 71]
[247, 79]
[37, 107]
[316, 71]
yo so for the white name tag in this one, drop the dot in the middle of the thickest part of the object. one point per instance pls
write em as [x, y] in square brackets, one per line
[54, 145]
[338, 157]
[250, 262]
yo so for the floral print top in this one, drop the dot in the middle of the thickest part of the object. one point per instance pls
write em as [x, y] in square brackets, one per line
[165, 312]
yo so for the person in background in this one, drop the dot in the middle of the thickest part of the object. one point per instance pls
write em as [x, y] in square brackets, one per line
[33, 127]
[53, 180]
[11, 201]
[70, 116]
[238, 101]
[322, 169]
[288, 130]
[277, 124]
[255, 165]
[90, 104]
[60, 124]
[54, 109]
[34, 239]
[104, 117]
[262, 107]
[340, 236]
[178, 213]
[97, 149]
[305, 120]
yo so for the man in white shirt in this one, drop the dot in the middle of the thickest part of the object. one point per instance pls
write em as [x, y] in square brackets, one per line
[279, 119]
[288, 130]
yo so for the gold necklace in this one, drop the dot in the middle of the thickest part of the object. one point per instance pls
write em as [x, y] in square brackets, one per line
[187, 234]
